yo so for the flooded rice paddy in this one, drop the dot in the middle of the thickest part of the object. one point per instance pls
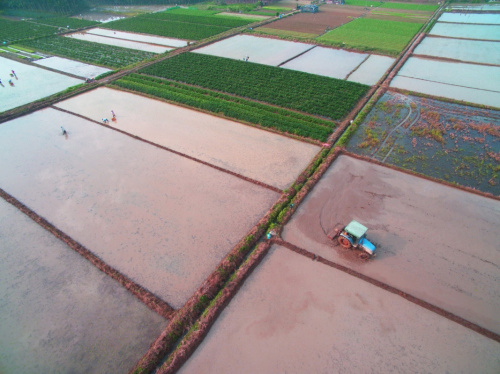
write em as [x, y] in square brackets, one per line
[152, 39]
[160, 219]
[59, 313]
[118, 42]
[78, 68]
[466, 31]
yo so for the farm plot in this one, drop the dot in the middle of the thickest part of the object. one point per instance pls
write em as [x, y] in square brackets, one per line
[418, 7]
[466, 31]
[457, 143]
[92, 53]
[129, 44]
[371, 70]
[459, 81]
[328, 97]
[260, 155]
[294, 315]
[194, 17]
[66, 22]
[315, 24]
[491, 19]
[388, 37]
[160, 219]
[434, 242]
[460, 49]
[259, 50]
[31, 84]
[169, 42]
[399, 15]
[60, 314]
[329, 62]
[72, 67]
[241, 109]
[11, 31]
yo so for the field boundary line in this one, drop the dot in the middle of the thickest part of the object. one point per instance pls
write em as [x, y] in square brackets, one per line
[448, 84]
[145, 296]
[459, 38]
[448, 59]
[247, 179]
[413, 299]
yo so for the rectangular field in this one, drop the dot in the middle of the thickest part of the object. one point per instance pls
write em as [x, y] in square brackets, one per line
[466, 31]
[388, 37]
[72, 67]
[59, 313]
[488, 19]
[31, 84]
[329, 62]
[459, 49]
[259, 50]
[294, 315]
[371, 70]
[115, 42]
[11, 31]
[460, 144]
[269, 158]
[434, 242]
[455, 80]
[168, 42]
[328, 97]
[160, 219]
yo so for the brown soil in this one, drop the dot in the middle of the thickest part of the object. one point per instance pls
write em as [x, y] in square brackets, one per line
[317, 23]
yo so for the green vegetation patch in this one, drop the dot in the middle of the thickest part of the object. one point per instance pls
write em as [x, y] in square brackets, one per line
[67, 22]
[313, 94]
[174, 29]
[456, 143]
[92, 53]
[364, 3]
[389, 37]
[284, 34]
[195, 20]
[410, 6]
[230, 106]
[11, 31]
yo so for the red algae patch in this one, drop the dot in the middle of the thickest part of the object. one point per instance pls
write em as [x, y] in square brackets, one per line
[294, 315]
[434, 242]
[160, 219]
[60, 314]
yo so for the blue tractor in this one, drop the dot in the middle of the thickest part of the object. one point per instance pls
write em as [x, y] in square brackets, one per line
[354, 236]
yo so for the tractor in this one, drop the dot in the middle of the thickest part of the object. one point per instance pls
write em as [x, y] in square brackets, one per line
[354, 236]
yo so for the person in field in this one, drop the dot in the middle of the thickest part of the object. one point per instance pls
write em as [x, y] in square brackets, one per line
[64, 132]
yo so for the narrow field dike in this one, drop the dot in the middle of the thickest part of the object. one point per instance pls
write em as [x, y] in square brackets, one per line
[317, 95]
[230, 106]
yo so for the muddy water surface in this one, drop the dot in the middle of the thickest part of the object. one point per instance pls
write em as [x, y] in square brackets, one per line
[58, 313]
[434, 242]
[160, 219]
[294, 315]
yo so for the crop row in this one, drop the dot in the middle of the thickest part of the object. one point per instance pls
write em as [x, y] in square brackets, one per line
[180, 30]
[66, 22]
[313, 94]
[11, 31]
[390, 37]
[241, 109]
[214, 20]
[93, 53]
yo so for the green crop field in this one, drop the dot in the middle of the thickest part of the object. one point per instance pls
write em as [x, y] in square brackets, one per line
[214, 20]
[11, 31]
[73, 23]
[388, 37]
[180, 30]
[92, 53]
[409, 6]
[313, 94]
[363, 3]
[230, 106]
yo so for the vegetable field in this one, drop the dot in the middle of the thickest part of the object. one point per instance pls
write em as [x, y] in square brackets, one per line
[73, 23]
[406, 6]
[241, 109]
[317, 95]
[199, 20]
[11, 31]
[388, 37]
[93, 53]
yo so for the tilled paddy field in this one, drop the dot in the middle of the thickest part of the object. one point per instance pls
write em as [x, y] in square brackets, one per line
[294, 315]
[434, 242]
[60, 314]
[161, 219]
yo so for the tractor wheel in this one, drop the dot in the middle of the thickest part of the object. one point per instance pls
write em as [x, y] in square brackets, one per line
[344, 242]
[364, 256]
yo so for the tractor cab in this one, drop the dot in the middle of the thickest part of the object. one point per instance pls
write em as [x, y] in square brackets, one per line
[354, 235]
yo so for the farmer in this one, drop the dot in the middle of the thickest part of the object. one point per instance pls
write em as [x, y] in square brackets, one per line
[64, 132]
[11, 83]
[105, 120]
[14, 74]
[113, 113]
